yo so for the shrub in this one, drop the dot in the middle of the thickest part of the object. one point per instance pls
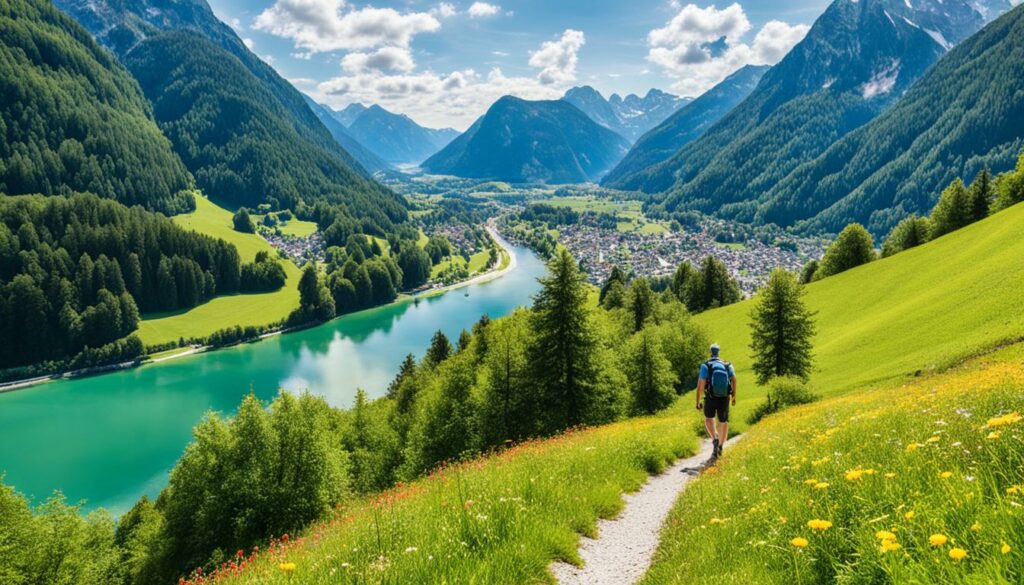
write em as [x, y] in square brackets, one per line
[783, 392]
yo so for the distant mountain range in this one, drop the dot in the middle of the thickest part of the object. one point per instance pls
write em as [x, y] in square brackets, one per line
[524, 141]
[630, 116]
[394, 138]
[366, 157]
[683, 127]
[857, 59]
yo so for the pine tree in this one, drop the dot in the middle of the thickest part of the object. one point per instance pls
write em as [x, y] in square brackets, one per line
[681, 280]
[407, 369]
[440, 349]
[616, 275]
[562, 351]
[615, 297]
[982, 195]
[641, 303]
[651, 380]
[781, 329]
[712, 287]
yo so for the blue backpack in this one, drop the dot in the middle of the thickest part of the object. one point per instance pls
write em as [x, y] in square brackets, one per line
[719, 384]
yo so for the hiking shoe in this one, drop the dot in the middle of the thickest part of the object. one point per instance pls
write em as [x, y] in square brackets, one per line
[716, 448]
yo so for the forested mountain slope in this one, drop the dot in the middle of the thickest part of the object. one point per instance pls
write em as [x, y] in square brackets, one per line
[857, 59]
[73, 119]
[396, 138]
[630, 116]
[965, 114]
[366, 158]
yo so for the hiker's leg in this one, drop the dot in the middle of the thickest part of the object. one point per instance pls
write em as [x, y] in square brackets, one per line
[709, 424]
[723, 432]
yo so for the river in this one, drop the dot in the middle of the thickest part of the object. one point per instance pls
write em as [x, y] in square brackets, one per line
[108, 439]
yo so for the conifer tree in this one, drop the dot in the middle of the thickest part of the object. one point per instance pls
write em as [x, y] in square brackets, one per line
[651, 380]
[781, 329]
[440, 349]
[982, 195]
[641, 303]
[616, 275]
[562, 351]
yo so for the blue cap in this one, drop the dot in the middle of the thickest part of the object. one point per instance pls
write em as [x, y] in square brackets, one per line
[715, 349]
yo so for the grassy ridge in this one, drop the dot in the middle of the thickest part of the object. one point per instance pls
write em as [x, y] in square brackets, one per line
[923, 309]
[921, 483]
[501, 519]
[228, 310]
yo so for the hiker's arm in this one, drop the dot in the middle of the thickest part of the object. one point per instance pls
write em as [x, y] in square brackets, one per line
[733, 393]
[700, 392]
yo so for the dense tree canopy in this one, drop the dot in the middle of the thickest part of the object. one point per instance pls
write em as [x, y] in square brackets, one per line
[76, 272]
[73, 120]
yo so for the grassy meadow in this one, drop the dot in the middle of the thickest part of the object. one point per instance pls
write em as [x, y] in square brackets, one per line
[630, 212]
[920, 482]
[497, 520]
[923, 309]
[227, 310]
[292, 227]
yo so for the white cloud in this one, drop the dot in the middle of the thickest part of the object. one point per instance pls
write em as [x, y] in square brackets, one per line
[499, 53]
[249, 44]
[482, 10]
[700, 47]
[444, 10]
[325, 25]
[383, 59]
[557, 59]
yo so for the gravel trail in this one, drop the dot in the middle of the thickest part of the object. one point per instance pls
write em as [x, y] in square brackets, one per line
[623, 549]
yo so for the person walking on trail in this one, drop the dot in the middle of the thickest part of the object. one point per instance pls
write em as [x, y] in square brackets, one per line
[718, 381]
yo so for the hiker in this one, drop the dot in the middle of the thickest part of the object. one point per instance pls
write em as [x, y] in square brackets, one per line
[718, 379]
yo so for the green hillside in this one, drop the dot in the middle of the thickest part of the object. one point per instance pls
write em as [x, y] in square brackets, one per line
[225, 310]
[925, 308]
[73, 120]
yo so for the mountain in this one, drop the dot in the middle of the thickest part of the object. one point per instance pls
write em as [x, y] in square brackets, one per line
[965, 114]
[364, 156]
[246, 134]
[856, 60]
[531, 141]
[629, 117]
[349, 114]
[396, 138]
[683, 127]
[73, 119]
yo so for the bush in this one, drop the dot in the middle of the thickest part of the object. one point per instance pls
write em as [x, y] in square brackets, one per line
[783, 392]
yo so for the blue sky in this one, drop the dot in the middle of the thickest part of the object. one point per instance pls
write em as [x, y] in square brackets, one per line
[444, 63]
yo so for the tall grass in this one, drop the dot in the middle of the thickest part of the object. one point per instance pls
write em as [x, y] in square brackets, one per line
[500, 519]
[916, 483]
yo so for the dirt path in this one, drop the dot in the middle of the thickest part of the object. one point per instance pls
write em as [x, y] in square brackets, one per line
[623, 549]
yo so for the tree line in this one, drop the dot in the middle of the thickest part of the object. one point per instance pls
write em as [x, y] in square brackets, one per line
[77, 271]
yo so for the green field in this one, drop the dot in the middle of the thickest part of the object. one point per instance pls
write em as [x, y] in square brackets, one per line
[500, 519]
[917, 483]
[923, 309]
[228, 310]
[477, 262]
[293, 227]
[630, 212]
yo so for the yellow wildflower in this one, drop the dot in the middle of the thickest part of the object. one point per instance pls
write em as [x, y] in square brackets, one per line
[819, 524]
[937, 539]
[854, 474]
[821, 485]
[810, 481]
[933, 439]
[799, 542]
[890, 475]
[717, 521]
[1006, 419]
[909, 515]
[1016, 489]
[1005, 549]
[890, 545]
[287, 567]
[976, 527]
[912, 447]
[993, 436]
[946, 474]
[885, 535]
[957, 554]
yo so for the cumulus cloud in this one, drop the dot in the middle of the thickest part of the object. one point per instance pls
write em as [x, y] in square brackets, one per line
[702, 46]
[482, 10]
[444, 10]
[319, 26]
[557, 59]
[383, 59]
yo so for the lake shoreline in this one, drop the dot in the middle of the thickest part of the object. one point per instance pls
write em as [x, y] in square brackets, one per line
[491, 274]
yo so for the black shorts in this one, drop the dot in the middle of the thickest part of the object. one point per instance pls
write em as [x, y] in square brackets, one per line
[717, 406]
